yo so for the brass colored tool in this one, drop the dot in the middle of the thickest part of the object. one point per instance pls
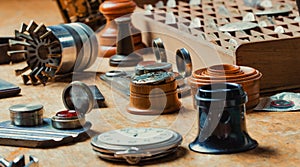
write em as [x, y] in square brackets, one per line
[153, 92]
[248, 77]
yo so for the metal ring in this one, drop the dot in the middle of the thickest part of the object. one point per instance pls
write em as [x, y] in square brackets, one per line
[93, 42]
[184, 62]
[83, 52]
[282, 103]
[159, 50]
[68, 48]
[115, 73]
[65, 123]
[87, 104]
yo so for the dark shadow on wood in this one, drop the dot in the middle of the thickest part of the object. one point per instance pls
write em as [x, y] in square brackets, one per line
[262, 151]
[179, 153]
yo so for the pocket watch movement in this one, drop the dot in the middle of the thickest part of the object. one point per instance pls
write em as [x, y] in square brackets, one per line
[136, 144]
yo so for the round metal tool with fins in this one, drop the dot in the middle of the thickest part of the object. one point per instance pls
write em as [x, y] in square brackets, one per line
[54, 50]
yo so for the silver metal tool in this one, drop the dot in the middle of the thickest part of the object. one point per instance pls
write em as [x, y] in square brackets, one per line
[42, 136]
[238, 26]
[54, 50]
[19, 162]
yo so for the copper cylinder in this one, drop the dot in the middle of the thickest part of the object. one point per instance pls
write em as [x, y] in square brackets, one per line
[150, 99]
[248, 77]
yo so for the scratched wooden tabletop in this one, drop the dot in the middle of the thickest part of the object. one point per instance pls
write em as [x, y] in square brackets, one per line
[278, 134]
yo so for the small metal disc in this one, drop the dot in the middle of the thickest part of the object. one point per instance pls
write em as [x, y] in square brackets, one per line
[26, 114]
[125, 60]
[67, 123]
[238, 26]
[25, 107]
[115, 73]
[282, 103]
[159, 50]
[271, 12]
[184, 62]
[147, 67]
[78, 96]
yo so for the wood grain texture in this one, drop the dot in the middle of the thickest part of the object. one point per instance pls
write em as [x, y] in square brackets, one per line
[277, 133]
[278, 60]
[259, 47]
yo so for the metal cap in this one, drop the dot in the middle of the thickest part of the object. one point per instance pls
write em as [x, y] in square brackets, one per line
[19, 108]
[26, 114]
[78, 96]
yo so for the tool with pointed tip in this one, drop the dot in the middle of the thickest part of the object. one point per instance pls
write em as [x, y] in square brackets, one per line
[54, 50]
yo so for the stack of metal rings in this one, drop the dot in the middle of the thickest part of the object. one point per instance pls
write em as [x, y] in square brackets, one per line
[55, 50]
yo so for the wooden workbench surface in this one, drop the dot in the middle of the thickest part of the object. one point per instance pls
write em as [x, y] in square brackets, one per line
[278, 134]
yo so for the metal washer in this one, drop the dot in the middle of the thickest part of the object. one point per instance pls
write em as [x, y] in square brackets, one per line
[238, 26]
[159, 50]
[184, 62]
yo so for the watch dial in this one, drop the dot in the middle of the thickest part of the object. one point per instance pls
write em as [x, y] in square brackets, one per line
[135, 136]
